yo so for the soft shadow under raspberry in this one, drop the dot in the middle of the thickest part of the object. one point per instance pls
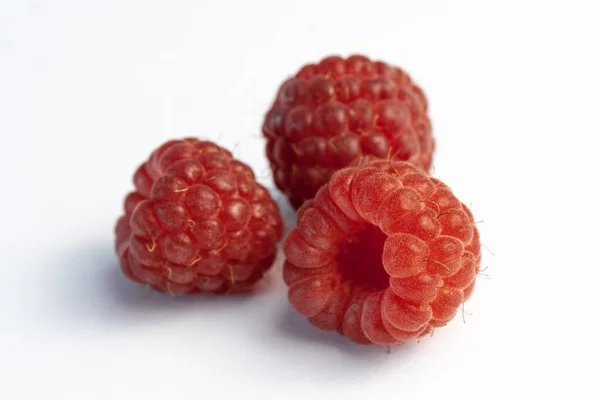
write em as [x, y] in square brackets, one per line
[90, 290]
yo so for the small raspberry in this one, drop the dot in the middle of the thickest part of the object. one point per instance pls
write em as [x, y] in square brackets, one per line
[333, 114]
[382, 254]
[197, 222]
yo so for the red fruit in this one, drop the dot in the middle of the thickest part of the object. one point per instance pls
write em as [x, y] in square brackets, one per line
[382, 254]
[333, 114]
[197, 222]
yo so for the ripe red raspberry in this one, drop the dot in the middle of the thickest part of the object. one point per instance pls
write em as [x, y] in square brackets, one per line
[334, 113]
[383, 254]
[197, 222]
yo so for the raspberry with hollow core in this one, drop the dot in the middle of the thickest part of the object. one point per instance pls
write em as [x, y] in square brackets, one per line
[383, 254]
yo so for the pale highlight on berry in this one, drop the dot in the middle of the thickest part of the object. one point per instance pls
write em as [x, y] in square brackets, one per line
[383, 254]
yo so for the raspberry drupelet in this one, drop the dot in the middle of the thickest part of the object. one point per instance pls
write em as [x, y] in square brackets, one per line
[383, 254]
[332, 114]
[197, 222]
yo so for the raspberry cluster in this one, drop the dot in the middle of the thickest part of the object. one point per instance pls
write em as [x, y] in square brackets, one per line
[384, 253]
[197, 222]
[333, 114]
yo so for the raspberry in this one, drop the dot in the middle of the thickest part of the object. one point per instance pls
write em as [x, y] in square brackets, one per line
[335, 113]
[382, 254]
[197, 222]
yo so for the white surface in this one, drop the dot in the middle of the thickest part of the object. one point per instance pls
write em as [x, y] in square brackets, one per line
[87, 89]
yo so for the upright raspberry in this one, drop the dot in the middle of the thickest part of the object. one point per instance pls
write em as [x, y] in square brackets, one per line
[197, 222]
[332, 114]
[383, 254]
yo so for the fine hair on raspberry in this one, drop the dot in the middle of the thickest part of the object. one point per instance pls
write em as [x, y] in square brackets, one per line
[197, 222]
[383, 254]
[339, 111]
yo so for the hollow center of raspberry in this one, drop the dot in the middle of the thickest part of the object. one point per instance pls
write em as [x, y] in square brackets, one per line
[360, 259]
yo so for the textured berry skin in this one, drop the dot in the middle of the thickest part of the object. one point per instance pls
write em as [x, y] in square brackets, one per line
[197, 222]
[333, 114]
[382, 254]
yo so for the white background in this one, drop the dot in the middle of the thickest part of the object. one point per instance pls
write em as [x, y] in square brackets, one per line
[88, 89]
